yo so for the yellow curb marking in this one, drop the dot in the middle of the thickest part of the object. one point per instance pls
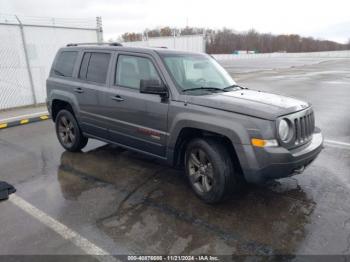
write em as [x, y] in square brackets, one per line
[3, 125]
[44, 117]
[24, 121]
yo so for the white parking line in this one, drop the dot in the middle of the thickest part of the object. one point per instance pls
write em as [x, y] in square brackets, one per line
[67, 233]
[337, 143]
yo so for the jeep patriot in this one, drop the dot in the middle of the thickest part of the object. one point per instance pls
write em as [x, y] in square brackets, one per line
[183, 108]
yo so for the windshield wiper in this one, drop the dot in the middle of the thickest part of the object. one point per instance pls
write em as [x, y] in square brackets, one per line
[235, 87]
[204, 88]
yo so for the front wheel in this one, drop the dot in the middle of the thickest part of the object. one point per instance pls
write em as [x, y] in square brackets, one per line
[68, 132]
[210, 170]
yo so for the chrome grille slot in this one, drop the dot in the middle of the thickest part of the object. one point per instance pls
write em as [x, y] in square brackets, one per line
[308, 125]
[296, 130]
[304, 125]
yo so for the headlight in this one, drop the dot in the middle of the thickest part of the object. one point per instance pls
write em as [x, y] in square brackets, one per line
[283, 130]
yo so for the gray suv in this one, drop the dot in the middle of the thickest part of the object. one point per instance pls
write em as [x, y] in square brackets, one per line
[183, 108]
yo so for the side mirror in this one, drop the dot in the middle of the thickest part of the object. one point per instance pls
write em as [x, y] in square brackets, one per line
[153, 86]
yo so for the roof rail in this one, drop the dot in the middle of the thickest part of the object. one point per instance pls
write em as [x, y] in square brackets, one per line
[104, 43]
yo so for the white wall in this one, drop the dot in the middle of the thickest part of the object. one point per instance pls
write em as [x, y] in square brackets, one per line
[14, 81]
[42, 44]
[331, 54]
[193, 43]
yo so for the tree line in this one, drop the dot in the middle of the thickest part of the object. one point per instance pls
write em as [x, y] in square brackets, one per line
[227, 41]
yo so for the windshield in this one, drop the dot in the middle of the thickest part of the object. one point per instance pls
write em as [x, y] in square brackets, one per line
[197, 72]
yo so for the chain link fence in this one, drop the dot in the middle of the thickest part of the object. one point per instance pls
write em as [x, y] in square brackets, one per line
[27, 48]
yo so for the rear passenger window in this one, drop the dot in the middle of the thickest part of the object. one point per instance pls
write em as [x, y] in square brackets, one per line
[94, 67]
[84, 66]
[65, 63]
[131, 69]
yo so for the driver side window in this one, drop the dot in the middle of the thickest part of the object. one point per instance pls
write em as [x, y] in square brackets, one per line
[132, 69]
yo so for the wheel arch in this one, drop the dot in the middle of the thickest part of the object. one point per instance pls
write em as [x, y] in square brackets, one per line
[63, 100]
[58, 105]
[187, 134]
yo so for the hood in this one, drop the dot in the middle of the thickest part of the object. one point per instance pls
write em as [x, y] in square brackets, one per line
[250, 102]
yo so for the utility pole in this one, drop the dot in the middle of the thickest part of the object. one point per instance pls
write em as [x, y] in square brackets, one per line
[146, 34]
[99, 29]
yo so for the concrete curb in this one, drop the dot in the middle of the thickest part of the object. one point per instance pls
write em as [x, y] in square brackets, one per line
[23, 120]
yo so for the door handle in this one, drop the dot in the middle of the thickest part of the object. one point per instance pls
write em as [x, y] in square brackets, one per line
[117, 98]
[79, 90]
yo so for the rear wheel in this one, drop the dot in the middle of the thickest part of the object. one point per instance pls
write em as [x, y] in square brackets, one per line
[210, 170]
[68, 131]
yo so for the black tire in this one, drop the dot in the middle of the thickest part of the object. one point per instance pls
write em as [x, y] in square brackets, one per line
[219, 176]
[68, 131]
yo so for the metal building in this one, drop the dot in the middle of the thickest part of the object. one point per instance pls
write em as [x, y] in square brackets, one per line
[27, 48]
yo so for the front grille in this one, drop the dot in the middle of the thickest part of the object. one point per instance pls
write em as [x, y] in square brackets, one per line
[304, 127]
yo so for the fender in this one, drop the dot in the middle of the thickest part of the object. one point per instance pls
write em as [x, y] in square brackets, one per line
[65, 96]
[234, 130]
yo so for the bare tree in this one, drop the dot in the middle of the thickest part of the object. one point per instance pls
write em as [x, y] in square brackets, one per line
[130, 37]
[226, 41]
[166, 31]
[153, 33]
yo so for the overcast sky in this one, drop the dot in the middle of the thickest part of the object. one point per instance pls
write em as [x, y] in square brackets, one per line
[323, 18]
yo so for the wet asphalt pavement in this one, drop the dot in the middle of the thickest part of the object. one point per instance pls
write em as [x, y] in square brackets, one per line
[126, 203]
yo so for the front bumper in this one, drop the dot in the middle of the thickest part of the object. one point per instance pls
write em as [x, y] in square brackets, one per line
[262, 164]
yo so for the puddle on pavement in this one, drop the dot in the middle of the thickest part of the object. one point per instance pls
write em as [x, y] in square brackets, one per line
[155, 211]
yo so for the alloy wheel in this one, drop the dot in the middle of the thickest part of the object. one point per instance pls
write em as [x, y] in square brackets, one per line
[200, 170]
[66, 131]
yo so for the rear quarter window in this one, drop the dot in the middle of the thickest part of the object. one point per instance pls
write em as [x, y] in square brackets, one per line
[94, 67]
[64, 64]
